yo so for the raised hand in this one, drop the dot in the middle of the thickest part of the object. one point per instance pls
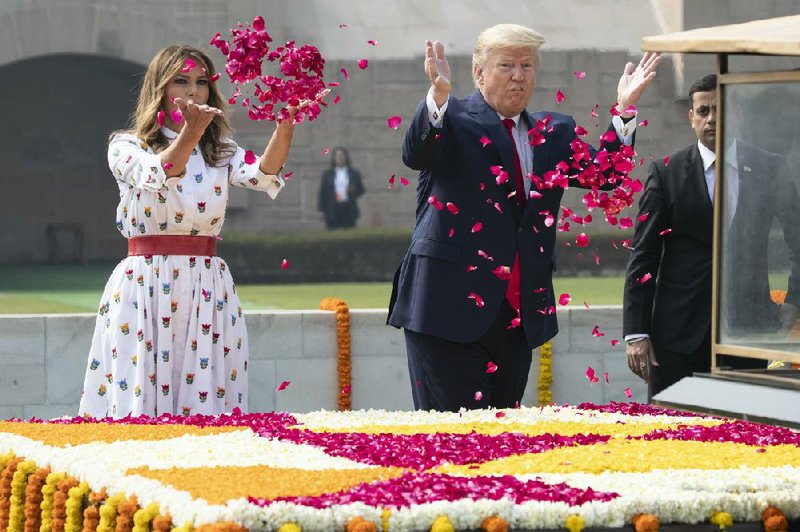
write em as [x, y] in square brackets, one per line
[438, 71]
[196, 117]
[634, 80]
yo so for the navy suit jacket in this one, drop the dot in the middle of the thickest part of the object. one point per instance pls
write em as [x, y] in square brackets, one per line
[433, 283]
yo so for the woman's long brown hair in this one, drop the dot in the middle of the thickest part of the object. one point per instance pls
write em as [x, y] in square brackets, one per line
[166, 64]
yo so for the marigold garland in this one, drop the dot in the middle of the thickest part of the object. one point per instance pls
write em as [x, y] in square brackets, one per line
[108, 513]
[19, 482]
[575, 523]
[289, 527]
[91, 518]
[5, 490]
[60, 497]
[343, 362]
[34, 498]
[48, 494]
[143, 517]
[385, 515]
[774, 520]
[162, 523]
[125, 512]
[545, 373]
[359, 524]
[442, 524]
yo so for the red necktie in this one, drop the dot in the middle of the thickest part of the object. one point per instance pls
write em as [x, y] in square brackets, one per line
[513, 289]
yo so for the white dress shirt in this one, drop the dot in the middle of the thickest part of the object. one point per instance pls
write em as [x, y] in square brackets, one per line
[340, 183]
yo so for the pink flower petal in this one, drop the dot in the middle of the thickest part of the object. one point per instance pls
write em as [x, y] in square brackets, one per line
[471, 268]
[345, 74]
[394, 122]
[560, 97]
[363, 63]
[564, 299]
[342, 26]
[283, 386]
[580, 130]
[628, 393]
[167, 166]
[597, 333]
[643, 123]
[646, 277]
[436, 203]
[579, 74]
[477, 227]
[160, 116]
[582, 240]
[502, 272]
[337, 99]
[325, 151]
[346, 390]
[609, 136]
[500, 414]
[403, 181]
[485, 141]
[625, 223]
[451, 233]
[590, 374]
[188, 65]
[250, 157]
[666, 160]
[491, 367]
[643, 217]
[478, 299]
[478, 395]
[372, 42]
[215, 77]
[284, 264]
[605, 376]
[452, 207]
[176, 115]
[391, 182]
[485, 255]
[665, 232]
[614, 342]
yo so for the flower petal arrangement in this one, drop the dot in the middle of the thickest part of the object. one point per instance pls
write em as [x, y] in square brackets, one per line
[552, 467]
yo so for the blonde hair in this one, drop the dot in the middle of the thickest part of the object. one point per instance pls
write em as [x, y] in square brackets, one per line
[166, 64]
[504, 36]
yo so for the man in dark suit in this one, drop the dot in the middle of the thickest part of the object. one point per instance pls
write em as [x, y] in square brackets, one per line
[339, 189]
[474, 291]
[667, 299]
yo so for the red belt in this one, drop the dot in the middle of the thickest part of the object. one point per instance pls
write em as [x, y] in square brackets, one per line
[203, 246]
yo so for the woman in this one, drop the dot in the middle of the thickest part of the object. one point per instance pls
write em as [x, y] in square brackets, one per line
[170, 336]
[339, 188]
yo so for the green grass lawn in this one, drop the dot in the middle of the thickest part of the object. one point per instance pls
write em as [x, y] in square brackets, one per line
[41, 289]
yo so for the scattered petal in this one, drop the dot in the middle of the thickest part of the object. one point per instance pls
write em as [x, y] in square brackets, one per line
[485, 255]
[452, 207]
[590, 375]
[372, 42]
[614, 342]
[471, 268]
[391, 182]
[564, 299]
[403, 181]
[176, 115]
[609, 136]
[363, 63]
[160, 116]
[477, 227]
[283, 386]
[582, 240]
[625, 223]
[646, 277]
[580, 130]
[605, 376]
[478, 395]
[250, 157]
[346, 390]
[628, 393]
[188, 65]
[597, 333]
[643, 217]
[167, 166]
[502, 272]
[643, 123]
[325, 151]
[337, 99]
[394, 122]
[500, 414]
[491, 367]
[666, 160]
[579, 74]
[665, 232]
[485, 141]
[284, 264]
[560, 97]
[452, 232]
[345, 74]
[478, 299]
[215, 77]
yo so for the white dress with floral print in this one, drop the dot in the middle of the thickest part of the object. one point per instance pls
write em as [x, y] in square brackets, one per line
[170, 336]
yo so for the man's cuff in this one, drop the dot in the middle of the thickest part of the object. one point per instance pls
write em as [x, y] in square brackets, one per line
[624, 130]
[630, 338]
[435, 113]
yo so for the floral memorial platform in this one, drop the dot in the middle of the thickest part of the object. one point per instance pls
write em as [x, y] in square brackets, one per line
[528, 468]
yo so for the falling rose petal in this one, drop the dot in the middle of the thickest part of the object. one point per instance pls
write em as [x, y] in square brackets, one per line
[452, 207]
[597, 333]
[160, 116]
[609, 136]
[564, 299]
[614, 342]
[471, 268]
[363, 64]
[666, 160]
[595, 114]
[325, 151]
[346, 390]
[477, 227]
[535, 194]
[452, 232]
[625, 223]
[498, 208]
[516, 322]
[215, 77]
[435, 202]
[560, 97]
[167, 166]
[628, 393]
[394, 122]
[549, 220]
[342, 26]
[478, 299]
[372, 42]
[283, 386]
[485, 255]
[585, 304]
[579, 74]
[188, 65]
[485, 141]
[345, 74]
[665, 232]
[491, 367]
[540, 290]
[176, 115]
[250, 157]
[337, 99]
[284, 264]
[403, 181]
[580, 130]
[605, 376]
[582, 240]
[643, 217]
[643, 123]
[391, 182]
[478, 395]
[500, 414]
[597, 260]
[502, 272]
[646, 277]
[590, 374]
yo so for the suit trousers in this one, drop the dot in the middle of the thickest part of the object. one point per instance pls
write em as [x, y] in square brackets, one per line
[673, 367]
[446, 375]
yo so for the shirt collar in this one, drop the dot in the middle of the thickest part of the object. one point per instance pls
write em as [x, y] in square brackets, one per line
[167, 132]
[708, 156]
[514, 118]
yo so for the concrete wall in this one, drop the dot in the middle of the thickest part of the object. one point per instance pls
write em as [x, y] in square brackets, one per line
[43, 358]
